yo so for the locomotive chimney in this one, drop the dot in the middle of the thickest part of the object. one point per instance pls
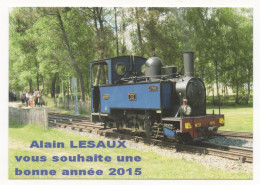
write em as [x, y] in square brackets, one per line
[188, 58]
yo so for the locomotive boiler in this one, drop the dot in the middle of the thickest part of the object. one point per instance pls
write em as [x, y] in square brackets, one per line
[141, 95]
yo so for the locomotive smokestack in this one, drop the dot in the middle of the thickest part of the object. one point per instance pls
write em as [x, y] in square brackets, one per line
[188, 58]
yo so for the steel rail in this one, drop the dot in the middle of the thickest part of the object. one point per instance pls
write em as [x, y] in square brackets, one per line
[245, 135]
[85, 125]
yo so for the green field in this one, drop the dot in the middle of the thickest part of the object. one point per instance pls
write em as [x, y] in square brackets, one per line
[154, 166]
[237, 118]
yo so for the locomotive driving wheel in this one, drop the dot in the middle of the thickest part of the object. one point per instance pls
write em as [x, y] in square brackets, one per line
[148, 122]
[148, 129]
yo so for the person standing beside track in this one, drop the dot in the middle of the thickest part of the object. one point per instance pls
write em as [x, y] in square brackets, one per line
[31, 99]
[10, 96]
[27, 98]
[23, 98]
[14, 96]
[36, 98]
[39, 99]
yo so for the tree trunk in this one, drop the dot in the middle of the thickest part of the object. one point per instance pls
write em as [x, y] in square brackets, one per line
[68, 86]
[88, 87]
[213, 93]
[37, 74]
[74, 63]
[42, 84]
[102, 36]
[248, 86]
[216, 69]
[30, 85]
[237, 85]
[227, 90]
[237, 92]
[97, 79]
[139, 32]
[248, 91]
[117, 49]
[53, 85]
[38, 85]
[123, 49]
[98, 15]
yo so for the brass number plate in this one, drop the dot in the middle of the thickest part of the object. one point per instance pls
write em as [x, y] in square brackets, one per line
[153, 88]
[105, 96]
[132, 96]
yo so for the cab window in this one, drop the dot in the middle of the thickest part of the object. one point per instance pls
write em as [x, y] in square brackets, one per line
[100, 74]
[120, 68]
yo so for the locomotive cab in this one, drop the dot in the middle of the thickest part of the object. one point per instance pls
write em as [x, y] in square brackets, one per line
[108, 72]
[111, 71]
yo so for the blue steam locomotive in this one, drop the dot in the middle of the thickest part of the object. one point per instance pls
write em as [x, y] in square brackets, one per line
[142, 96]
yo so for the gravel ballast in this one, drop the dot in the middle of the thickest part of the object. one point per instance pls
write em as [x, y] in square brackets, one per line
[244, 143]
[206, 160]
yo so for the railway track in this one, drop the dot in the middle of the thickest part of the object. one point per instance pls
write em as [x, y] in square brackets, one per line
[66, 116]
[83, 124]
[243, 135]
[231, 152]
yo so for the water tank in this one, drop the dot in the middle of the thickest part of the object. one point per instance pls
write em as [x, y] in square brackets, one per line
[169, 71]
[153, 68]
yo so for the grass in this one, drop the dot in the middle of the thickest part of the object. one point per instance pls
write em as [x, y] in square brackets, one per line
[61, 109]
[237, 118]
[154, 166]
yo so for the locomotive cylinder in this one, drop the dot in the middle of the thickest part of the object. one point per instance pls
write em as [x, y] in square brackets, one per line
[188, 58]
[153, 68]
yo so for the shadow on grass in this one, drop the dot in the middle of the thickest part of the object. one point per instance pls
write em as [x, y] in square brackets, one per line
[230, 106]
[16, 125]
